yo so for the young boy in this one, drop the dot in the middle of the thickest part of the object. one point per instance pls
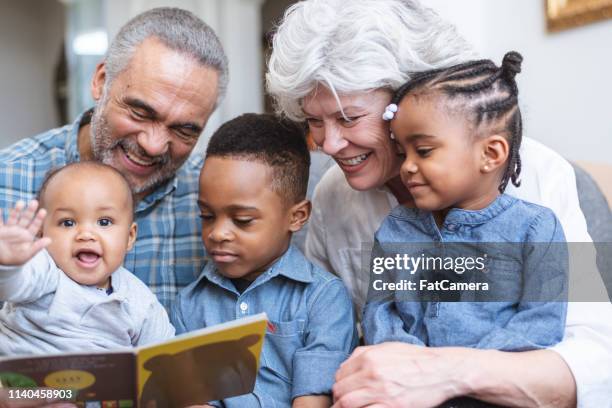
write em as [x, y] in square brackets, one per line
[74, 295]
[252, 198]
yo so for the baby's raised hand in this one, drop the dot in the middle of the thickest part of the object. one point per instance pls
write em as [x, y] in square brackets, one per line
[17, 235]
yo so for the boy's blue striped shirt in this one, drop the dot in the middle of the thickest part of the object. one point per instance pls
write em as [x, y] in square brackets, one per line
[168, 253]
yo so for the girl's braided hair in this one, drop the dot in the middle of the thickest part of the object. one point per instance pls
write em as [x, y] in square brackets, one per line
[488, 93]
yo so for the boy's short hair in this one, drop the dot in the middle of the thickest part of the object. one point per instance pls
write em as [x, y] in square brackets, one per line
[278, 143]
[84, 164]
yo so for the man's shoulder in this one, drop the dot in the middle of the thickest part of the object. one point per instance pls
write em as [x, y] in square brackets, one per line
[188, 174]
[193, 164]
[24, 165]
[49, 144]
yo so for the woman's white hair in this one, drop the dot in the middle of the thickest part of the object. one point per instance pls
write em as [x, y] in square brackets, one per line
[354, 46]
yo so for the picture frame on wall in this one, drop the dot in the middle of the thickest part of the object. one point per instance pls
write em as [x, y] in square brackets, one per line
[565, 14]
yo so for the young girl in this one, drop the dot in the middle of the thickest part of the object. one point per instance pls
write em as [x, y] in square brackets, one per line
[460, 131]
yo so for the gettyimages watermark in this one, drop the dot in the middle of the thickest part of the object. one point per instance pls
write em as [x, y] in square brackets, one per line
[488, 272]
[406, 264]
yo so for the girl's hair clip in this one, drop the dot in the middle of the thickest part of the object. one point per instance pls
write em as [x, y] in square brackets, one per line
[389, 112]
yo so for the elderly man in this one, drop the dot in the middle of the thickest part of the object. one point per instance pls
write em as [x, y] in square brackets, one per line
[162, 77]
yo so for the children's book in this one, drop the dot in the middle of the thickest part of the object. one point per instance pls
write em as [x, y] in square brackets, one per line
[208, 364]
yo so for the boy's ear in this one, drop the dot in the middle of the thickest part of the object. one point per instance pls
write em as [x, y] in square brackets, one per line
[97, 81]
[132, 235]
[299, 214]
[495, 151]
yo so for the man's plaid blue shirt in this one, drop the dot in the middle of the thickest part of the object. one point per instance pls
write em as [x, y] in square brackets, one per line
[168, 253]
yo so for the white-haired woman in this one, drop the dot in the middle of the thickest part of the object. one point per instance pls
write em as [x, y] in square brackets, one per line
[335, 64]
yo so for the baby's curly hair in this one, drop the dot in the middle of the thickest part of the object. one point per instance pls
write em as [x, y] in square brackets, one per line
[277, 143]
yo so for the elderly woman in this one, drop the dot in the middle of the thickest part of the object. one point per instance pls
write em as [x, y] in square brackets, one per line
[335, 64]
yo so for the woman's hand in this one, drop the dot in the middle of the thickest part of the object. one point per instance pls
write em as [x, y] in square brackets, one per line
[397, 375]
[312, 401]
[394, 375]
[17, 244]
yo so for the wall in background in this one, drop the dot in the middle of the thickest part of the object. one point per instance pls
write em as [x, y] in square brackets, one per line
[31, 34]
[566, 83]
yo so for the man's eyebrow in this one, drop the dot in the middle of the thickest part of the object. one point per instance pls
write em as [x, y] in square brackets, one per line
[140, 104]
[194, 127]
[152, 113]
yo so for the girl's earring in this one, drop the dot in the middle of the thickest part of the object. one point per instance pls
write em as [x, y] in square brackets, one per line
[486, 167]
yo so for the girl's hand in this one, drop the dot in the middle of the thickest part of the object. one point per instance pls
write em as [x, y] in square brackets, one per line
[17, 236]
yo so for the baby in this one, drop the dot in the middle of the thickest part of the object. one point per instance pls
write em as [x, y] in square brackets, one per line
[74, 295]
[252, 199]
[460, 131]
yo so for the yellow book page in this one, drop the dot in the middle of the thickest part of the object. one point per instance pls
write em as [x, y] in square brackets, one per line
[209, 364]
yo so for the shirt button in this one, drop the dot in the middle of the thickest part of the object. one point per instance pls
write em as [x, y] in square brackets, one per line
[244, 307]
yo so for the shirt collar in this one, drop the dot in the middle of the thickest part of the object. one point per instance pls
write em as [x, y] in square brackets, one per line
[72, 141]
[159, 193]
[499, 205]
[117, 287]
[461, 216]
[292, 265]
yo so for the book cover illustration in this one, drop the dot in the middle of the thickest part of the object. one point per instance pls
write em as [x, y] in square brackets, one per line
[90, 380]
[208, 364]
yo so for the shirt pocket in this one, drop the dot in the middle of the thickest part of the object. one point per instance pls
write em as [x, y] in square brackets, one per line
[282, 340]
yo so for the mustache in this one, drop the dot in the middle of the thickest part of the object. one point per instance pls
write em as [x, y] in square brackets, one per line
[131, 146]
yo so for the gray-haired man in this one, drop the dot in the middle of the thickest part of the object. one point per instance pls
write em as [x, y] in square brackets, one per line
[162, 78]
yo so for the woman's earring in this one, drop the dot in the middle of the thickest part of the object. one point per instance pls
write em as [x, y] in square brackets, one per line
[391, 135]
[486, 167]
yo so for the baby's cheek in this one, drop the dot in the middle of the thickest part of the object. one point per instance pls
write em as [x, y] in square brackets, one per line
[55, 248]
